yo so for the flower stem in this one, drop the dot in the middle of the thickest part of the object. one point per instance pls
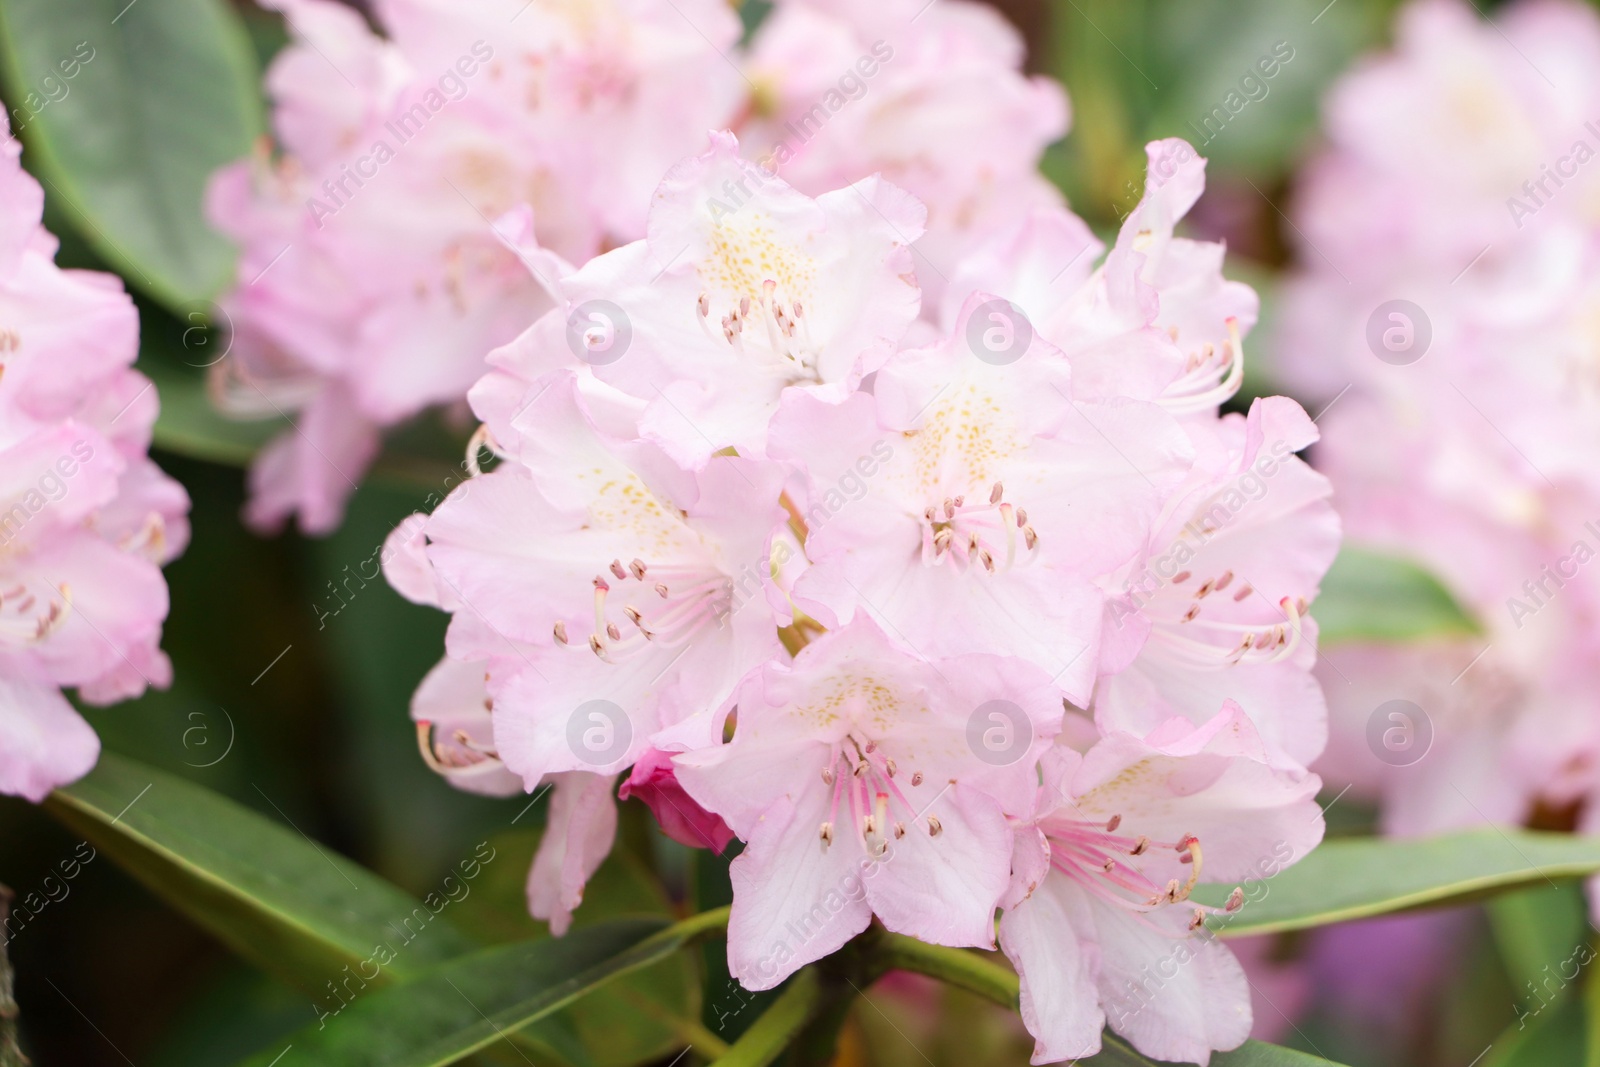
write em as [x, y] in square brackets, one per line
[959, 967]
[770, 1035]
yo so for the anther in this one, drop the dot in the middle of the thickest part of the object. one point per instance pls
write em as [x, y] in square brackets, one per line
[1235, 899]
[561, 632]
[1022, 516]
[661, 590]
[1222, 581]
[617, 569]
[899, 830]
[704, 305]
[888, 765]
[1140, 847]
[916, 777]
[934, 826]
[826, 834]
[996, 493]
[596, 647]
[1112, 823]
[862, 768]
[636, 568]
[827, 776]
[613, 632]
[1198, 921]
[1180, 577]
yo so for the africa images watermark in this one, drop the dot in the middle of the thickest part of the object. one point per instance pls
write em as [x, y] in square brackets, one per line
[800, 130]
[1552, 577]
[451, 890]
[450, 87]
[1537, 190]
[52, 88]
[1224, 506]
[1253, 87]
[51, 487]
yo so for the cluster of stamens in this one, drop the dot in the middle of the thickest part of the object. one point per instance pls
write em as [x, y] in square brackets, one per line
[466, 754]
[1256, 643]
[25, 620]
[677, 611]
[864, 779]
[784, 326]
[977, 533]
[1210, 376]
[1095, 856]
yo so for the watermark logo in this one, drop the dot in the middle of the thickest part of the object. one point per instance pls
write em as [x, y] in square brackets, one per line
[999, 333]
[599, 332]
[999, 733]
[1399, 332]
[599, 732]
[1399, 733]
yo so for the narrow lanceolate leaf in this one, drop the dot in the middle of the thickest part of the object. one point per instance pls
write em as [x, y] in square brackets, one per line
[1370, 596]
[1542, 934]
[1116, 1053]
[978, 973]
[293, 907]
[1362, 877]
[473, 1002]
[126, 110]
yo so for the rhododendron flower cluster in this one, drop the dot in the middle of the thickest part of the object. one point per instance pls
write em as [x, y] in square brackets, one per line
[943, 609]
[431, 185]
[86, 519]
[1448, 300]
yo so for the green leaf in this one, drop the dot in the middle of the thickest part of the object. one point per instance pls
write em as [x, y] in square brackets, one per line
[1369, 596]
[1539, 933]
[161, 95]
[471, 1003]
[290, 906]
[189, 426]
[978, 974]
[1357, 878]
[1553, 1037]
[293, 907]
[640, 1017]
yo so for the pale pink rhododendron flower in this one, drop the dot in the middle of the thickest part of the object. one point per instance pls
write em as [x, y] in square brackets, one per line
[1100, 908]
[745, 288]
[432, 182]
[930, 97]
[996, 500]
[86, 519]
[1447, 306]
[818, 574]
[852, 783]
[379, 262]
